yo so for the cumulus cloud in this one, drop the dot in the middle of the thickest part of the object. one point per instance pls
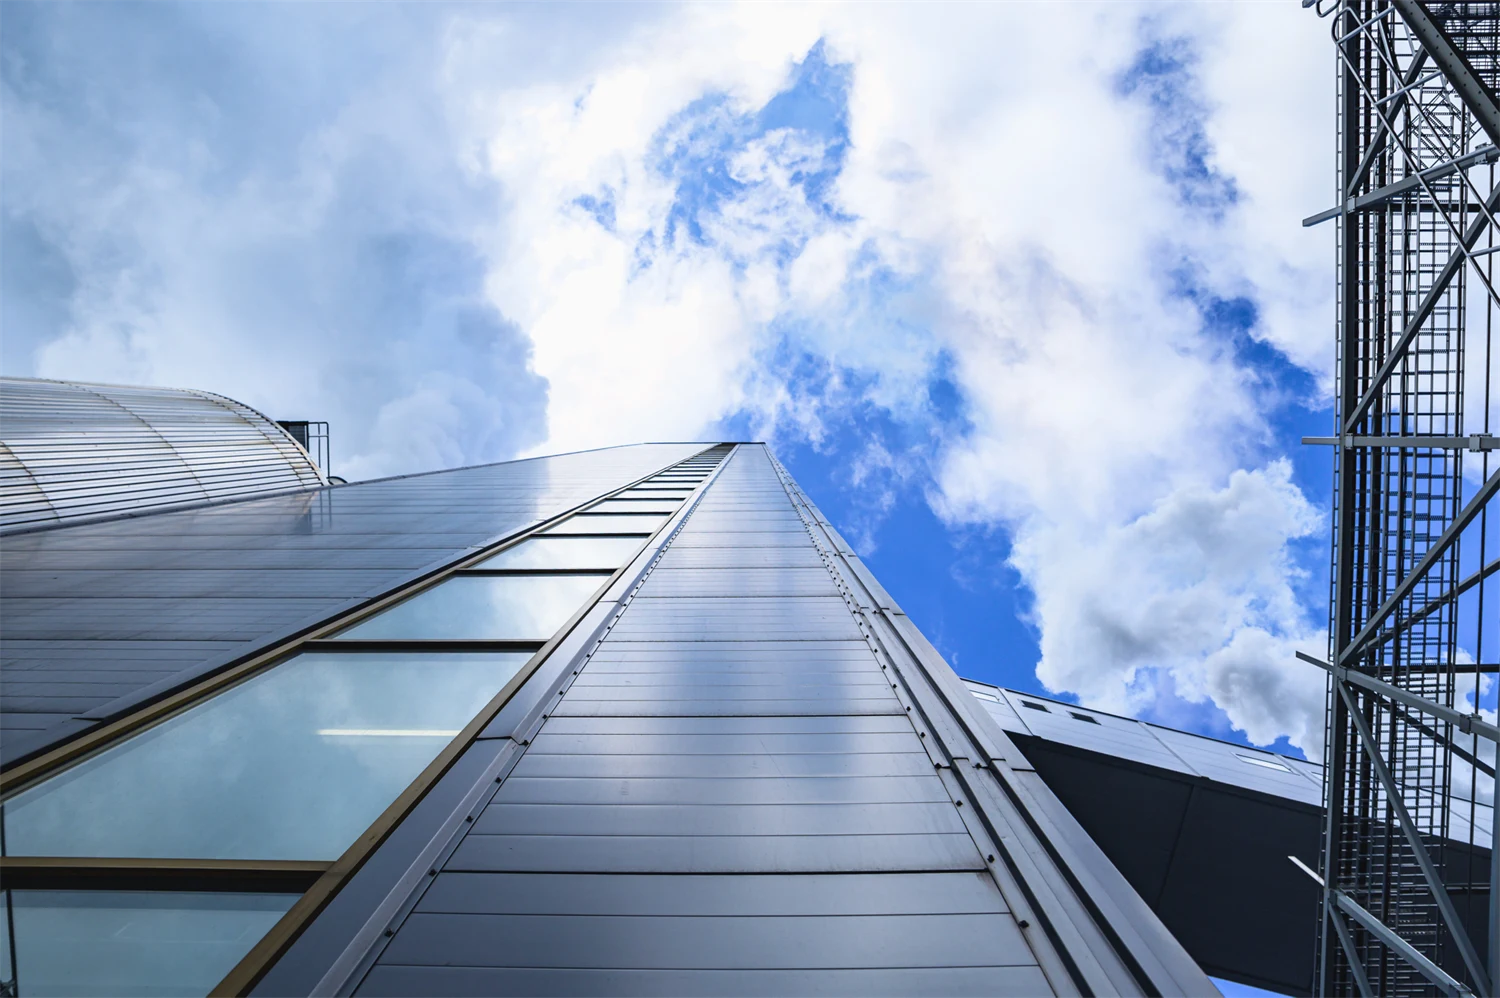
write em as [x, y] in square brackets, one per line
[1041, 243]
[245, 204]
[1198, 592]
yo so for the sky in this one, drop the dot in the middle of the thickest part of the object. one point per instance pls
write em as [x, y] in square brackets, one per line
[1019, 293]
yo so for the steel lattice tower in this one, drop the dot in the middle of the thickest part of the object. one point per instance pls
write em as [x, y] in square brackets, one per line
[1408, 871]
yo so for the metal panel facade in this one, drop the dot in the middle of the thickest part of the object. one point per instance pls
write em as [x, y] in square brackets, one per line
[737, 767]
[100, 615]
[673, 827]
[731, 794]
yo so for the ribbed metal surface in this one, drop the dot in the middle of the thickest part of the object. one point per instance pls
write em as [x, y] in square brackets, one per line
[97, 614]
[72, 450]
[730, 800]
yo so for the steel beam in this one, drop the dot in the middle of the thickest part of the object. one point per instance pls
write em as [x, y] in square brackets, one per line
[1469, 724]
[1487, 154]
[1447, 57]
[1397, 803]
[1400, 946]
[1474, 579]
[1477, 442]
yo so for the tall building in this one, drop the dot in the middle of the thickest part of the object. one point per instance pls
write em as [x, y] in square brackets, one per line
[629, 721]
[626, 721]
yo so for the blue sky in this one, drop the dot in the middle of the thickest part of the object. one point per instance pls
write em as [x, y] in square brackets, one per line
[1018, 292]
[1036, 325]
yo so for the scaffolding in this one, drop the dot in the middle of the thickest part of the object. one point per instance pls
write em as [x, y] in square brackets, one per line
[1408, 857]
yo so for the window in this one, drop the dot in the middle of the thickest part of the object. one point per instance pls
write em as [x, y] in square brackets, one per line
[279, 773]
[565, 552]
[1083, 717]
[608, 523]
[664, 506]
[1035, 706]
[291, 764]
[132, 942]
[1263, 762]
[985, 696]
[481, 608]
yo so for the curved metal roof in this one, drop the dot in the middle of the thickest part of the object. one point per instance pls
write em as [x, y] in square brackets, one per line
[72, 450]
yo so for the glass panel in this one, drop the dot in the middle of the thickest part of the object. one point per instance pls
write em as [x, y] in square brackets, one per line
[482, 608]
[636, 506]
[133, 943]
[607, 523]
[566, 552]
[292, 764]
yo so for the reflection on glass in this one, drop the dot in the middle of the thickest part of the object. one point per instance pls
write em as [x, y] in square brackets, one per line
[608, 523]
[482, 608]
[292, 764]
[132, 942]
[565, 552]
[636, 506]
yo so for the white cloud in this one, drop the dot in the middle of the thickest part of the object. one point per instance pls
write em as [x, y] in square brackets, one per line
[487, 245]
[1198, 591]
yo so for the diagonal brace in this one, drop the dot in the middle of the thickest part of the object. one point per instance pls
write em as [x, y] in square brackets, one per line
[1439, 547]
[1419, 848]
[1469, 724]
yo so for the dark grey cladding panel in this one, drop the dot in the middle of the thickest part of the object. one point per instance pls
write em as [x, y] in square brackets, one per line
[582, 741]
[707, 895]
[812, 581]
[720, 819]
[725, 706]
[728, 799]
[192, 583]
[621, 677]
[757, 539]
[699, 655]
[156, 559]
[690, 853]
[744, 522]
[839, 725]
[85, 657]
[730, 942]
[728, 558]
[770, 790]
[723, 767]
[895, 982]
[31, 720]
[810, 618]
[122, 618]
[190, 590]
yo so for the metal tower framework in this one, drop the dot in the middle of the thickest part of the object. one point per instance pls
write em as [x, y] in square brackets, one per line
[1408, 872]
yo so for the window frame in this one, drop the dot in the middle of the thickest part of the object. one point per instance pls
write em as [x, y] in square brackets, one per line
[318, 881]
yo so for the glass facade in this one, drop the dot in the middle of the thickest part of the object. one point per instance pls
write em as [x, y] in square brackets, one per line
[131, 943]
[565, 552]
[481, 608]
[293, 763]
[609, 523]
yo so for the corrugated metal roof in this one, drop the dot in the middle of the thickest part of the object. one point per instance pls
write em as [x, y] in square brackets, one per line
[71, 450]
